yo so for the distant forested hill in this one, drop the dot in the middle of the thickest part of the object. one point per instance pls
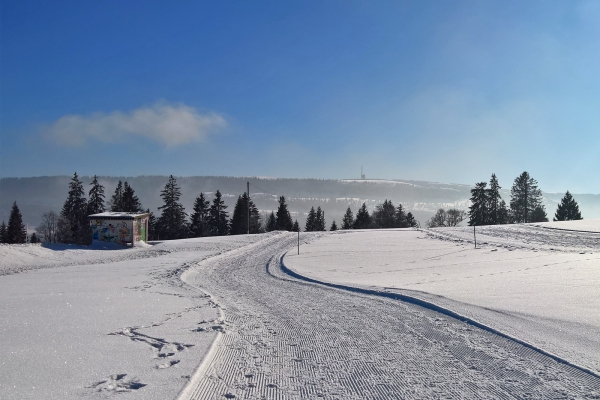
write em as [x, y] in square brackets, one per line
[41, 194]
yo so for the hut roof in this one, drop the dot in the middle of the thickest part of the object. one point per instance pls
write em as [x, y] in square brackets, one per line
[117, 215]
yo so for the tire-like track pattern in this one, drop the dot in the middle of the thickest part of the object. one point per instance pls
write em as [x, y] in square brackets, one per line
[287, 339]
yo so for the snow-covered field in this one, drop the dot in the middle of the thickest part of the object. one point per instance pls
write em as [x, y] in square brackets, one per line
[110, 321]
[217, 318]
[539, 283]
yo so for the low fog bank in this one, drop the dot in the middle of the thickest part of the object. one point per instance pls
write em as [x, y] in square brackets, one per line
[41, 194]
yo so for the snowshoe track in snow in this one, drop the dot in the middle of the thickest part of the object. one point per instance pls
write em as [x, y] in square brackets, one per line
[287, 339]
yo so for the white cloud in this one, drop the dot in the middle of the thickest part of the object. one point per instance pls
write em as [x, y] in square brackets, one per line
[169, 124]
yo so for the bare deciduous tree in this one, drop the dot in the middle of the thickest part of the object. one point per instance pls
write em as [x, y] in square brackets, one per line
[439, 219]
[46, 230]
[443, 218]
[454, 217]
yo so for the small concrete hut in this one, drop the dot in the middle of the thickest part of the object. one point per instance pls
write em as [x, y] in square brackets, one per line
[120, 227]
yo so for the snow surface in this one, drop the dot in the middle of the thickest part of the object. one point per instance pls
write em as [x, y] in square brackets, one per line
[288, 338]
[587, 225]
[113, 320]
[222, 317]
[537, 284]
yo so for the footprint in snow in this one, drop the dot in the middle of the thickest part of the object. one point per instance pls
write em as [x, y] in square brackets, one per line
[167, 364]
[117, 383]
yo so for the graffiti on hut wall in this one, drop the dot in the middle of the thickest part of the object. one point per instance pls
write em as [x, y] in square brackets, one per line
[139, 230]
[116, 231]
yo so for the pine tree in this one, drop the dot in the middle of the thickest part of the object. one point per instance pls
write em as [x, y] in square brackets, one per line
[525, 197]
[296, 227]
[493, 201]
[172, 222]
[311, 221]
[75, 227]
[239, 219]
[116, 201]
[271, 223]
[199, 218]
[320, 220]
[15, 231]
[129, 201]
[284, 219]
[384, 215]
[411, 221]
[363, 219]
[348, 219]
[478, 211]
[96, 198]
[568, 209]
[333, 227]
[218, 217]
[400, 220]
[3, 233]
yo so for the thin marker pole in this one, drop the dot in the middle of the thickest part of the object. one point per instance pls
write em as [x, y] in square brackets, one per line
[474, 237]
[298, 241]
[248, 186]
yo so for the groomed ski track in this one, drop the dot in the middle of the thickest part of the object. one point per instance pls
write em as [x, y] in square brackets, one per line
[286, 338]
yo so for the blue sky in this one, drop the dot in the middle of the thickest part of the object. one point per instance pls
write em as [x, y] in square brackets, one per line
[446, 91]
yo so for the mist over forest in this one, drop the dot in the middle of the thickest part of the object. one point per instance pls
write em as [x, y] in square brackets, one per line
[37, 195]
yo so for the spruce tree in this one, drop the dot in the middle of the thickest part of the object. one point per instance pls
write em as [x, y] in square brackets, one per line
[525, 197]
[503, 214]
[296, 227]
[15, 231]
[311, 221]
[539, 214]
[271, 223]
[568, 209]
[199, 218]
[320, 220]
[348, 219]
[172, 222]
[384, 215]
[96, 198]
[333, 227]
[116, 201]
[493, 201]
[400, 220]
[218, 217]
[284, 219]
[363, 219]
[129, 201]
[34, 239]
[63, 231]
[75, 227]
[3, 233]
[411, 221]
[151, 234]
[239, 219]
[478, 211]
[255, 223]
